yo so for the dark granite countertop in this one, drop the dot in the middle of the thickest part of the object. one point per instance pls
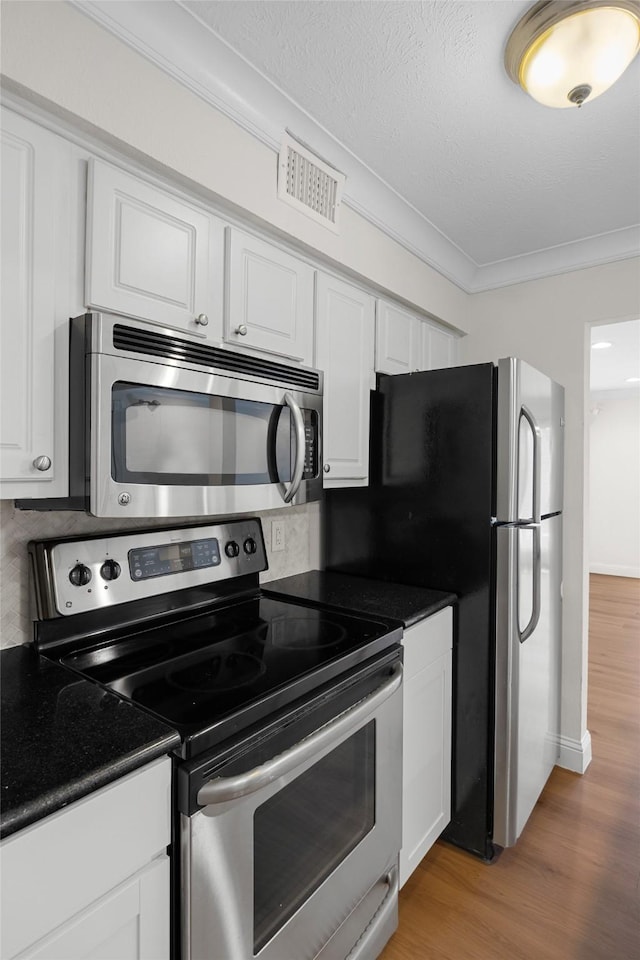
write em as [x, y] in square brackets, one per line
[393, 601]
[63, 737]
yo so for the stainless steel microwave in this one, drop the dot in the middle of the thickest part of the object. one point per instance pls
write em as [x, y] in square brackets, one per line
[165, 425]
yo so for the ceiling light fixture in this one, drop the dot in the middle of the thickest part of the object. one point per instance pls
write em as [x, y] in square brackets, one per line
[601, 345]
[632, 380]
[563, 52]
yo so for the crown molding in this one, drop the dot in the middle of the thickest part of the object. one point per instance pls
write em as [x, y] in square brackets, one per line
[191, 53]
[564, 258]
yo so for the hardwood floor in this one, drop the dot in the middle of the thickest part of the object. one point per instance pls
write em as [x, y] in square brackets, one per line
[569, 890]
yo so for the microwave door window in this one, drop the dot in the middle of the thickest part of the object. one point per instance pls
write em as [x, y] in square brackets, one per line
[176, 437]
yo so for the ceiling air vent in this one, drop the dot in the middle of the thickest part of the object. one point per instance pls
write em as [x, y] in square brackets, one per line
[309, 184]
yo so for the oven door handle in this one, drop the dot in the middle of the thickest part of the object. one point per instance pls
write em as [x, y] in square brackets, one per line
[223, 789]
[298, 426]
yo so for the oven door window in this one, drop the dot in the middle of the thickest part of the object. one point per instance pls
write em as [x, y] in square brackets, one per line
[303, 832]
[175, 437]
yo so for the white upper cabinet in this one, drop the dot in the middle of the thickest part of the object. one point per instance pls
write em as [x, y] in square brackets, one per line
[405, 343]
[36, 176]
[345, 319]
[152, 255]
[398, 345]
[269, 298]
[439, 348]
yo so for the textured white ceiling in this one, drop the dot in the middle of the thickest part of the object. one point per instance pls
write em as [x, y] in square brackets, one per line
[419, 93]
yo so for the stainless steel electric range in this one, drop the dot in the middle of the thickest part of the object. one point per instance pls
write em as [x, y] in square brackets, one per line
[287, 781]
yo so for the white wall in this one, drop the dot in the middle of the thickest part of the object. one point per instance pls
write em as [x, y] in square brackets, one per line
[545, 322]
[614, 490]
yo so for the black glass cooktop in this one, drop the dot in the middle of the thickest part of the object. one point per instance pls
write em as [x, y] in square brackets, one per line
[214, 674]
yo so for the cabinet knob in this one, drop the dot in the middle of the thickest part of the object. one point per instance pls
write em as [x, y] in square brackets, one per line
[42, 463]
[327, 467]
[202, 319]
[241, 330]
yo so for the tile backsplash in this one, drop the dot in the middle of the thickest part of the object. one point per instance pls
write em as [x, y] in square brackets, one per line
[17, 527]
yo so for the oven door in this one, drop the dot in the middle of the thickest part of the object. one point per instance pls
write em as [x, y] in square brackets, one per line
[295, 857]
[166, 441]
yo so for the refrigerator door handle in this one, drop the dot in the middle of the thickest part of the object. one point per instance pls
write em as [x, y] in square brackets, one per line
[536, 586]
[537, 460]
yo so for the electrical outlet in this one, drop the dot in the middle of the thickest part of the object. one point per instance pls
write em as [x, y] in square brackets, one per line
[277, 535]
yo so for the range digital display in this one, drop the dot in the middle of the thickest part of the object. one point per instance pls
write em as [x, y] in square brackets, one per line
[146, 562]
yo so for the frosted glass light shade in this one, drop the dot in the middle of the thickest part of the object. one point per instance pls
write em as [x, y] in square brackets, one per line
[565, 53]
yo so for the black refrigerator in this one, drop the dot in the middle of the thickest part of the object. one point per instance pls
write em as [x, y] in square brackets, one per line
[465, 495]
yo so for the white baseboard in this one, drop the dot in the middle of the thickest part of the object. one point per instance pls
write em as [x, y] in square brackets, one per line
[614, 570]
[575, 755]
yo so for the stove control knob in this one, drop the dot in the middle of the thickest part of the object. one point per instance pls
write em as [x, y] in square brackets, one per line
[80, 576]
[231, 548]
[250, 546]
[110, 570]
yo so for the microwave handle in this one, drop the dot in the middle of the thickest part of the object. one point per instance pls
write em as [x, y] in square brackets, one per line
[222, 789]
[298, 426]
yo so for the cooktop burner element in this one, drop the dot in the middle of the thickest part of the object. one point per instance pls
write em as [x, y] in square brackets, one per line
[306, 633]
[220, 672]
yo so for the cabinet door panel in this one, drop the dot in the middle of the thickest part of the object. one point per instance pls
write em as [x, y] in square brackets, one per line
[130, 923]
[67, 861]
[397, 339]
[152, 255]
[269, 302]
[345, 334]
[35, 169]
[426, 755]
[439, 348]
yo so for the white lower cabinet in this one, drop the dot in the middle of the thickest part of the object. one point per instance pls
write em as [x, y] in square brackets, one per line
[345, 320]
[130, 923]
[91, 882]
[426, 752]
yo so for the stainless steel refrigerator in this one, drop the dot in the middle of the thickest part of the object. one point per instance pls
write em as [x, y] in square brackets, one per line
[465, 495]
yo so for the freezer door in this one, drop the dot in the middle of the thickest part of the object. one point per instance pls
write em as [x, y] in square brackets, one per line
[528, 653]
[530, 443]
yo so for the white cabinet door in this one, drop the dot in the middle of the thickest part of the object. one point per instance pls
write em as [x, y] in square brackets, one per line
[426, 753]
[152, 255]
[344, 350]
[405, 343]
[130, 923]
[269, 302]
[35, 209]
[58, 870]
[439, 348]
[397, 339]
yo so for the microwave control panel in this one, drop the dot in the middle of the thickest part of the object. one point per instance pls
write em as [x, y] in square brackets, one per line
[310, 444]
